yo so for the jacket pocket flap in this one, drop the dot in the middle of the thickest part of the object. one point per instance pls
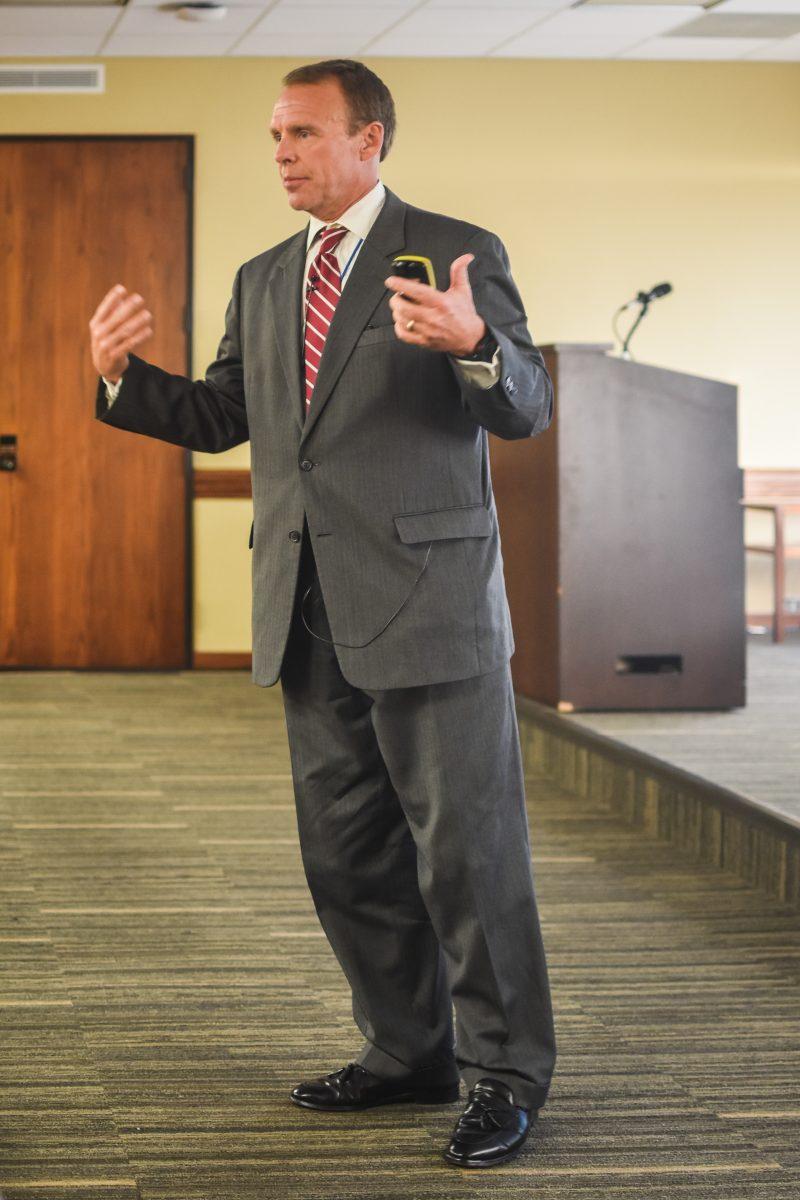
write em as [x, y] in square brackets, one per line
[377, 333]
[471, 520]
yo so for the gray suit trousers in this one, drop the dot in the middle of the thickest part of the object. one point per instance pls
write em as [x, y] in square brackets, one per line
[414, 839]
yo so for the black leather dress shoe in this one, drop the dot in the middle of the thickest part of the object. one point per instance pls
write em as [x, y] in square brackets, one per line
[354, 1087]
[491, 1129]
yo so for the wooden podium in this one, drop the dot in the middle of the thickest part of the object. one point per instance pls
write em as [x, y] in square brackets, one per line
[622, 536]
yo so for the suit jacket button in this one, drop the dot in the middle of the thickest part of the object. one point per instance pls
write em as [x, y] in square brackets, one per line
[294, 535]
[306, 464]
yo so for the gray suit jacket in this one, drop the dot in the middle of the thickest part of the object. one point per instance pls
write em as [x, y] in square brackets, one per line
[390, 468]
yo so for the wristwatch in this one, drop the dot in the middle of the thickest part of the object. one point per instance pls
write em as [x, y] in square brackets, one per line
[484, 351]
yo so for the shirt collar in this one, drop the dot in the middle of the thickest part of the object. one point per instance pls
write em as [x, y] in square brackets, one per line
[358, 218]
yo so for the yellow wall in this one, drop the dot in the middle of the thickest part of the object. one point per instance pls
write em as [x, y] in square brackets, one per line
[601, 177]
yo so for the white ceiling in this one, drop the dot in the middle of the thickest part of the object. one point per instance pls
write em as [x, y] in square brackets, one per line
[711, 30]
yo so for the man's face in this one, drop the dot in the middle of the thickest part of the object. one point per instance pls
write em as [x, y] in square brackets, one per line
[323, 167]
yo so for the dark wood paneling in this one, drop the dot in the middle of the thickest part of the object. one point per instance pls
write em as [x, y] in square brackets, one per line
[771, 484]
[525, 483]
[221, 660]
[791, 621]
[93, 524]
[223, 484]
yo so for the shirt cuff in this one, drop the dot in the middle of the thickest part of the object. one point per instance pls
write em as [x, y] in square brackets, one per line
[480, 374]
[112, 389]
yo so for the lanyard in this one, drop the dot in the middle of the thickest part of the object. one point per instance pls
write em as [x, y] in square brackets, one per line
[348, 264]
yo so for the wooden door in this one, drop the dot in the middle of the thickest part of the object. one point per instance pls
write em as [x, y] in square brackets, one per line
[94, 522]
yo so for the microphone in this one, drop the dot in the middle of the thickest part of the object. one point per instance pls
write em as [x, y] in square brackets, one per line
[642, 298]
[655, 293]
[312, 283]
[661, 289]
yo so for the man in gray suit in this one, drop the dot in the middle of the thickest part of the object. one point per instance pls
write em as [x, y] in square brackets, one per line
[379, 601]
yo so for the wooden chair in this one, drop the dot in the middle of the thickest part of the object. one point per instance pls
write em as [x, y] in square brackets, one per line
[777, 492]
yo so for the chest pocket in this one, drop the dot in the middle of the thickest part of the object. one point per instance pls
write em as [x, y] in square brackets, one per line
[373, 334]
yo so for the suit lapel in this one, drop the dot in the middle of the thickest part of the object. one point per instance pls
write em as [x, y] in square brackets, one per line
[285, 309]
[361, 295]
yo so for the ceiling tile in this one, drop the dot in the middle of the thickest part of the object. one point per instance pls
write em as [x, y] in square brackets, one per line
[498, 21]
[400, 4]
[758, 6]
[60, 3]
[698, 5]
[534, 7]
[699, 49]
[64, 46]
[629, 29]
[633, 22]
[784, 50]
[610, 29]
[545, 46]
[298, 45]
[261, 5]
[363, 22]
[741, 25]
[17, 20]
[167, 45]
[460, 45]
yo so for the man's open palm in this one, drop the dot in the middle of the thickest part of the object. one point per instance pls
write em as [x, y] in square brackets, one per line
[120, 322]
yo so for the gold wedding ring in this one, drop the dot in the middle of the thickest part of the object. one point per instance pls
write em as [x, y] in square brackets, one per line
[410, 325]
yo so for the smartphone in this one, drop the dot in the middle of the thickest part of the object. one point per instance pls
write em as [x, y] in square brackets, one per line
[414, 266]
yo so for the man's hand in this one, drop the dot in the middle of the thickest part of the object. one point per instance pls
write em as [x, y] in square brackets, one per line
[442, 320]
[120, 322]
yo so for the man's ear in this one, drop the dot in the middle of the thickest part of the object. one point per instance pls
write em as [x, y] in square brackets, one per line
[371, 140]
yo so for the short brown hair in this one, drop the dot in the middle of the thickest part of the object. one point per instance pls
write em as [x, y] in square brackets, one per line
[367, 96]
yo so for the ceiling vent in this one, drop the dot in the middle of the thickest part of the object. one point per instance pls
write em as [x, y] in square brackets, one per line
[79, 78]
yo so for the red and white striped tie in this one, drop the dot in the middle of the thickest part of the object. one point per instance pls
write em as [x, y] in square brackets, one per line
[322, 295]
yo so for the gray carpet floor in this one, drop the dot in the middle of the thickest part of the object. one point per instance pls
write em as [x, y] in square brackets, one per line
[164, 981]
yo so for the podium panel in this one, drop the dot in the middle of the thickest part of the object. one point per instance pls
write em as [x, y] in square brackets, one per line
[622, 535]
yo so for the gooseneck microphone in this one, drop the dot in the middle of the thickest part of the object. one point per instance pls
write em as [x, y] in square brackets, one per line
[661, 289]
[643, 299]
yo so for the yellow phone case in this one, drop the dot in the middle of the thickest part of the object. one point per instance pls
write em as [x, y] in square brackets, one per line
[418, 258]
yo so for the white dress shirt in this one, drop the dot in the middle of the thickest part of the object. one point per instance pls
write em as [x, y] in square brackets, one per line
[358, 219]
